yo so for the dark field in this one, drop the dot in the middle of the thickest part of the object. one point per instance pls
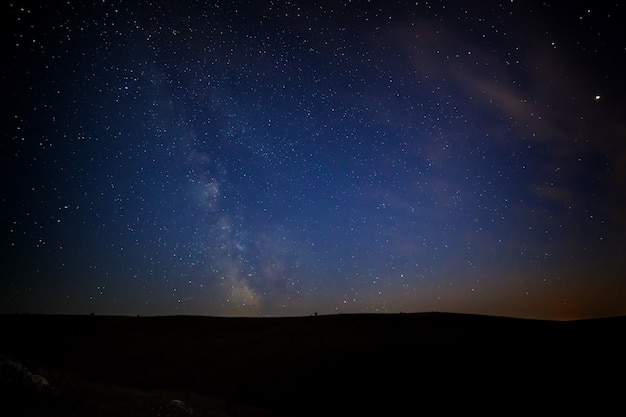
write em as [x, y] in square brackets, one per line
[401, 364]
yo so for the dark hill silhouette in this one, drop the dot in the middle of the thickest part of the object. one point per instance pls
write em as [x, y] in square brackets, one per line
[319, 365]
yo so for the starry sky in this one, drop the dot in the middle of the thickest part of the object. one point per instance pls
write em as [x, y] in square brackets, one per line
[280, 158]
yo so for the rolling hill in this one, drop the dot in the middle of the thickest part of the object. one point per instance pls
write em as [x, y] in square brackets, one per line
[325, 365]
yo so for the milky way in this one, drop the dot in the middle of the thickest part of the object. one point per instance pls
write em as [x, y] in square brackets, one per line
[284, 158]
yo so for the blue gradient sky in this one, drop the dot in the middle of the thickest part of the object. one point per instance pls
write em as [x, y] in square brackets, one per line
[283, 158]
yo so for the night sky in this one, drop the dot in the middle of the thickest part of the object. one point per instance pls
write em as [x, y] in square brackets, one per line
[280, 158]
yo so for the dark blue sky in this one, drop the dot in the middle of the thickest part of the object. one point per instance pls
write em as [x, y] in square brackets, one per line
[289, 157]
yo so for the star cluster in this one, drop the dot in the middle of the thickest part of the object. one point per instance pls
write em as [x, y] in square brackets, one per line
[290, 157]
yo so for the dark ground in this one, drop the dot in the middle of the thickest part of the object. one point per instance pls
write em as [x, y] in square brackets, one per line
[401, 364]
